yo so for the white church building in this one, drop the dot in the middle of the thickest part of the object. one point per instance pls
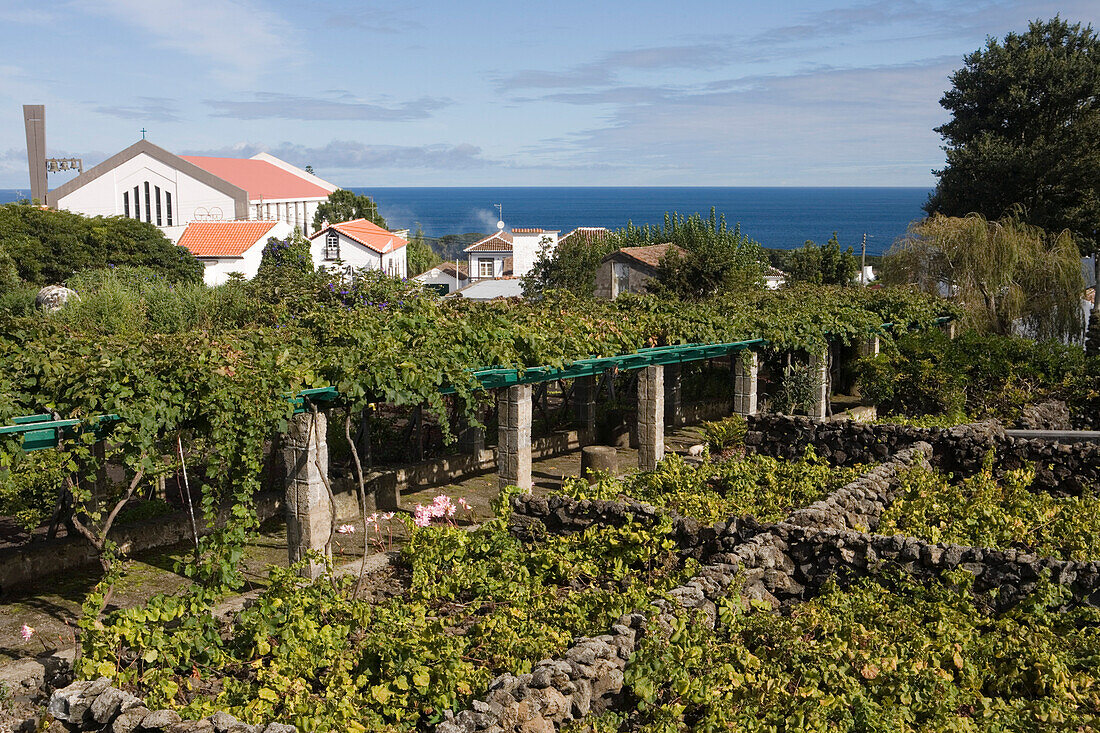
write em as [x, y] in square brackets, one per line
[149, 183]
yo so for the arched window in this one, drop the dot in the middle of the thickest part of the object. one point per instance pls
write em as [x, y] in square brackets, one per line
[332, 246]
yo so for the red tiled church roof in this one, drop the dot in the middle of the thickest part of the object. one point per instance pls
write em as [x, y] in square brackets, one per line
[261, 179]
[224, 238]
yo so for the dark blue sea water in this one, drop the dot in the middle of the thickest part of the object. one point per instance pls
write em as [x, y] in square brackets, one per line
[775, 217]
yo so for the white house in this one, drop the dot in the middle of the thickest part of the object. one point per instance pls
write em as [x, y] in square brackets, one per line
[446, 277]
[149, 183]
[226, 247]
[507, 254]
[359, 243]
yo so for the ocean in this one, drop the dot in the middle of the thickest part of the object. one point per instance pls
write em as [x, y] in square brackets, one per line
[781, 218]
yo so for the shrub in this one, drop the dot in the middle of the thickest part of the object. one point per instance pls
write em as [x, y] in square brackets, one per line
[725, 434]
[796, 390]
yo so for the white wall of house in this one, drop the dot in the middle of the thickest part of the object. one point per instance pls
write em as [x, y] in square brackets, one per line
[296, 212]
[526, 249]
[436, 276]
[355, 255]
[191, 199]
[495, 258]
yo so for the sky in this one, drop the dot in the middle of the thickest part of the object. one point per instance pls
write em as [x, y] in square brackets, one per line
[476, 93]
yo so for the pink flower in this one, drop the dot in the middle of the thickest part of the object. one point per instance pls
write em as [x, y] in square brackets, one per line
[462, 503]
[422, 516]
[27, 632]
[442, 506]
[387, 516]
[345, 529]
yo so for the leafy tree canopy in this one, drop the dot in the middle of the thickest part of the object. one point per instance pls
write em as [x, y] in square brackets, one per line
[820, 265]
[1001, 272]
[344, 205]
[419, 255]
[48, 246]
[572, 266]
[1025, 131]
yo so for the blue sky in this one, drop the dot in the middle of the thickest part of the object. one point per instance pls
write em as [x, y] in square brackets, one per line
[494, 93]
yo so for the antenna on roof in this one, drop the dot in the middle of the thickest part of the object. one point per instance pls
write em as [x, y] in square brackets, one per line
[500, 212]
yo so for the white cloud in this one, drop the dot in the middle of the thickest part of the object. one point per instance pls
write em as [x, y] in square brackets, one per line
[240, 38]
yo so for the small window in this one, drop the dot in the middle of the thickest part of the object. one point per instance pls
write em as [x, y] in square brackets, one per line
[148, 205]
[168, 206]
[126, 204]
[158, 205]
[332, 246]
[621, 282]
[485, 267]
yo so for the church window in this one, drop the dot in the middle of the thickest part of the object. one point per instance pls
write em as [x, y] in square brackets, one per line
[168, 206]
[126, 204]
[148, 205]
[137, 204]
[158, 205]
[332, 246]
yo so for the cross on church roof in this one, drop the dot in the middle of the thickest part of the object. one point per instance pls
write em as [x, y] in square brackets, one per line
[143, 133]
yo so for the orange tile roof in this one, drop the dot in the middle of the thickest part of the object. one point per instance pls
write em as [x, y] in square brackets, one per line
[534, 231]
[588, 235]
[368, 234]
[649, 255]
[261, 179]
[224, 238]
[495, 242]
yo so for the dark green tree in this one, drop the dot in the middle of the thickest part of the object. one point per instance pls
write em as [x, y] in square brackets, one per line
[818, 264]
[420, 256]
[48, 246]
[344, 205]
[571, 266]
[1025, 132]
[717, 257]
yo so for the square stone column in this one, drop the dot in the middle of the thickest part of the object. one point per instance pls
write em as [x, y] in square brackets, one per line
[949, 329]
[584, 405]
[746, 372]
[819, 370]
[308, 506]
[651, 417]
[869, 347]
[514, 437]
[674, 407]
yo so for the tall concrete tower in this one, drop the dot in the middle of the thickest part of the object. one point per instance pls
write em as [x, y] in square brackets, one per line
[34, 118]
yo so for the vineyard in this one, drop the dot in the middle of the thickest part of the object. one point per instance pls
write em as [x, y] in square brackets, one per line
[739, 587]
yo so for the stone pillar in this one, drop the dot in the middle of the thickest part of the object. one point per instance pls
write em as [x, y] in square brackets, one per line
[674, 408]
[651, 417]
[584, 405]
[949, 329]
[308, 506]
[514, 437]
[870, 347]
[819, 370]
[471, 440]
[746, 372]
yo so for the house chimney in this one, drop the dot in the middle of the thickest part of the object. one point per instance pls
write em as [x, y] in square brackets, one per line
[34, 119]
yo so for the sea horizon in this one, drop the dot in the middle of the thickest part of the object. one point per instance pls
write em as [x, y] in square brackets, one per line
[780, 217]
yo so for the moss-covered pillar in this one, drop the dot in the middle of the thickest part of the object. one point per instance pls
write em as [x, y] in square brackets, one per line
[674, 407]
[651, 417]
[584, 405]
[514, 436]
[869, 347]
[308, 505]
[746, 371]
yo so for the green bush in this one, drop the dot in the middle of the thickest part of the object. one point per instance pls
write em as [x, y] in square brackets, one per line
[797, 390]
[724, 434]
[980, 375]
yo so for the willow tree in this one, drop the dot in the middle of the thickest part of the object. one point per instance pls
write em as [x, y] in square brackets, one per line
[1004, 273]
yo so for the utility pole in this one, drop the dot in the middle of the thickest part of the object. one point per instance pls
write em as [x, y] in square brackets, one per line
[863, 262]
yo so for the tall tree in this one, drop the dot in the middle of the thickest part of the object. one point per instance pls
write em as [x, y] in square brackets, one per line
[818, 264]
[344, 205]
[717, 257]
[1002, 272]
[420, 255]
[1025, 132]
